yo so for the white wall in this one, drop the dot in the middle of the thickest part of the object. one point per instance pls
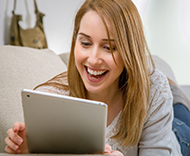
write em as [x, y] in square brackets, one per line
[58, 20]
[166, 22]
[167, 29]
[168, 35]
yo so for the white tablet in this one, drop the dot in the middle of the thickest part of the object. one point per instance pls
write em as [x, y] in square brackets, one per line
[63, 124]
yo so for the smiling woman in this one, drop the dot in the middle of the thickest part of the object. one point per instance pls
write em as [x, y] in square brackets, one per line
[110, 62]
[93, 55]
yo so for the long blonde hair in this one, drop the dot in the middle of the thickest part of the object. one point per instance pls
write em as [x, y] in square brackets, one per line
[127, 31]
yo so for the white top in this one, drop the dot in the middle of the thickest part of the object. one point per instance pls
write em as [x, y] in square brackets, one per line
[157, 138]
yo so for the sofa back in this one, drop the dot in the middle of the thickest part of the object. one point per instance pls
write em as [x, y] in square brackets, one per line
[164, 67]
[22, 67]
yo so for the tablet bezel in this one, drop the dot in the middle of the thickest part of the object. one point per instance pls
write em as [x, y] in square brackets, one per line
[63, 124]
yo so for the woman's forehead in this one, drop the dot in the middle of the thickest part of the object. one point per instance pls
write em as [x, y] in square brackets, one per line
[91, 21]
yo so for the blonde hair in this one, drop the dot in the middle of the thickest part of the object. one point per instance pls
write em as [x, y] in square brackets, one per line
[127, 31]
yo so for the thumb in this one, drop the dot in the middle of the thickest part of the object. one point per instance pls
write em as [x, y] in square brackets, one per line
[18, 126]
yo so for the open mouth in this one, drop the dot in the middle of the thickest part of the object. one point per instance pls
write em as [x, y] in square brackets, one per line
[96, 74]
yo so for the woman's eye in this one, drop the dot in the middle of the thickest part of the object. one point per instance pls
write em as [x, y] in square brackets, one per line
[109, 49]
[86, 44]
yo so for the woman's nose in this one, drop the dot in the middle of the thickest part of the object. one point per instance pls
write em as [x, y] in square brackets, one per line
[95, 56]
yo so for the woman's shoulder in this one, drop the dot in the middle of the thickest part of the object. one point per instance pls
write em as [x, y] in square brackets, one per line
[158, 78]
[159, 83]
[160, 93]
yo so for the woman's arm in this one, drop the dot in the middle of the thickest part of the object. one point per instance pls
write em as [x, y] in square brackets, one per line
[157, 136]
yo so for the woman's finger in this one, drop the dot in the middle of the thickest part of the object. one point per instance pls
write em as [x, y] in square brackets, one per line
[116, 153]
[9, 150]
[18, 126]
[14, 137]
[11, 144]
[108, 149]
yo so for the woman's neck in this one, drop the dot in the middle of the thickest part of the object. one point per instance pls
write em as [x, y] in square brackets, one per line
[114, 100]
[106, 97]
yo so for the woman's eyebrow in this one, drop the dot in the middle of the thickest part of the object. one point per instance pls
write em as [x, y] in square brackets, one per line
[84, 35]
[112, 40]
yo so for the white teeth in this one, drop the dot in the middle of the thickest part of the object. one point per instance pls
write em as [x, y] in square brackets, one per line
[92, 72]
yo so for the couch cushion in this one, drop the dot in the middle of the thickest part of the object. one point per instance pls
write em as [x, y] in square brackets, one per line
[65, 57]
[22, 67]
[164, 67]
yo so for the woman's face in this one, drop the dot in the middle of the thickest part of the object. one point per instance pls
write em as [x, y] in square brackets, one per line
[93, 57]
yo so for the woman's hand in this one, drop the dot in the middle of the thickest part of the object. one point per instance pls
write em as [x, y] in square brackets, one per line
[110, 152]
[16, 140]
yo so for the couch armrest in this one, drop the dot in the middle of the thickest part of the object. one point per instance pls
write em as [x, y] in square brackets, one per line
[164, 67]
[22, 68]
[186, 90]
[65, 57]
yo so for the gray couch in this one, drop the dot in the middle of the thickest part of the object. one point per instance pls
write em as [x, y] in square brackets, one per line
[22, 67]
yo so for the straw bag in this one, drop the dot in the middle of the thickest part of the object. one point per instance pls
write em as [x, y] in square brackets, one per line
[34, 37]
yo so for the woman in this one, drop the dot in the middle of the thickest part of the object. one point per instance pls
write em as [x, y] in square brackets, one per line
[109, 62]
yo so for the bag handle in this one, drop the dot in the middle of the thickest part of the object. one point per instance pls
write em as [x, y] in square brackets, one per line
[35, 4]
[36, 8]
[14, 7]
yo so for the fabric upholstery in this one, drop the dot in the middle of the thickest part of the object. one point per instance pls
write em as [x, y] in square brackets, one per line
[64, 57]
[22, 67]
[164, 67]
